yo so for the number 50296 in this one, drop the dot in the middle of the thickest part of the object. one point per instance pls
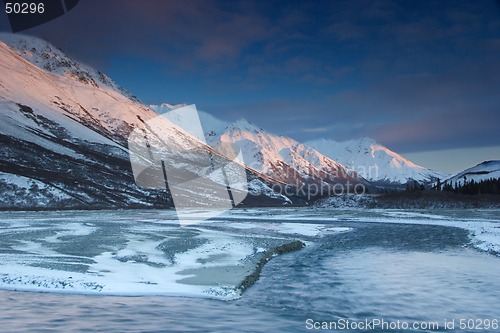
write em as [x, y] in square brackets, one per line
[24, 8]
[478, 324]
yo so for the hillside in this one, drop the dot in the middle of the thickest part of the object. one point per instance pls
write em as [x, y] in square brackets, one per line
[65, 130]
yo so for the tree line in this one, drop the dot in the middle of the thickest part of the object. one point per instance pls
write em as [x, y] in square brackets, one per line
[487, 186]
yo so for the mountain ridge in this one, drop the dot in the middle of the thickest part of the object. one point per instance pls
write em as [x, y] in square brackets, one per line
[66, 136]
[65, 127]
[284, 158]
[375, 162]
[45, 56]
[348, 153]
[481, 171]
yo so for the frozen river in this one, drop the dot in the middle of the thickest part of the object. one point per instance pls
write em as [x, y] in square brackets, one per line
[130, 271]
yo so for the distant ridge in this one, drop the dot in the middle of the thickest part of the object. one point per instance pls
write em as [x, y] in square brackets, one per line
[482, 171]
[375, 162]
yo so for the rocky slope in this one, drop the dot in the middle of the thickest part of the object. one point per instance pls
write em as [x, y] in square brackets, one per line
[64, 131]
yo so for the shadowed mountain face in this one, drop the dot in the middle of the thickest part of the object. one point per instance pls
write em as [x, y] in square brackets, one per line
[64, 134]
[59, 171]
[62, 140]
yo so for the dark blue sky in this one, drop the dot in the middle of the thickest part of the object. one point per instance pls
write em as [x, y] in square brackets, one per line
[415, 75]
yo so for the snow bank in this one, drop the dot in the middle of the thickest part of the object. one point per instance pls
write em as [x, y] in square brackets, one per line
[137, 253]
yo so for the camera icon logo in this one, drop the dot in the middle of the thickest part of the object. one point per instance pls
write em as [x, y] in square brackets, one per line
[169, 152]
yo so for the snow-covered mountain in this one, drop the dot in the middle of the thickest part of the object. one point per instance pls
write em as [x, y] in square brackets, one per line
[375, 162]
[283, 158]
[276, 158]
[45, 56]
[64, 130]
[483, 171]
[65, 136]
[289, 161]
[263, 151]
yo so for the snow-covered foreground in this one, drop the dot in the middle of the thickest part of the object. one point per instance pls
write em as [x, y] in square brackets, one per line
[148, 253]
[137, 252]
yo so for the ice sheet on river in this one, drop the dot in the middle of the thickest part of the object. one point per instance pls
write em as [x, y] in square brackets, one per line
[137, 252]
[147, 252]
[482, 224]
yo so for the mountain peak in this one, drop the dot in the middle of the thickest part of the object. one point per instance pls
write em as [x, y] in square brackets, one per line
[367, 141]
[24, 42]
[482, 171]
[493, 165]
[373, 160]
[165, 107]
[45, 56]
[282, 158]
[245, 125]
[39, 52]
[491, 162]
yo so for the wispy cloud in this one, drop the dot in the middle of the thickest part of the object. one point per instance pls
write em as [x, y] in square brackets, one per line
[412, 74]
[315, 130]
